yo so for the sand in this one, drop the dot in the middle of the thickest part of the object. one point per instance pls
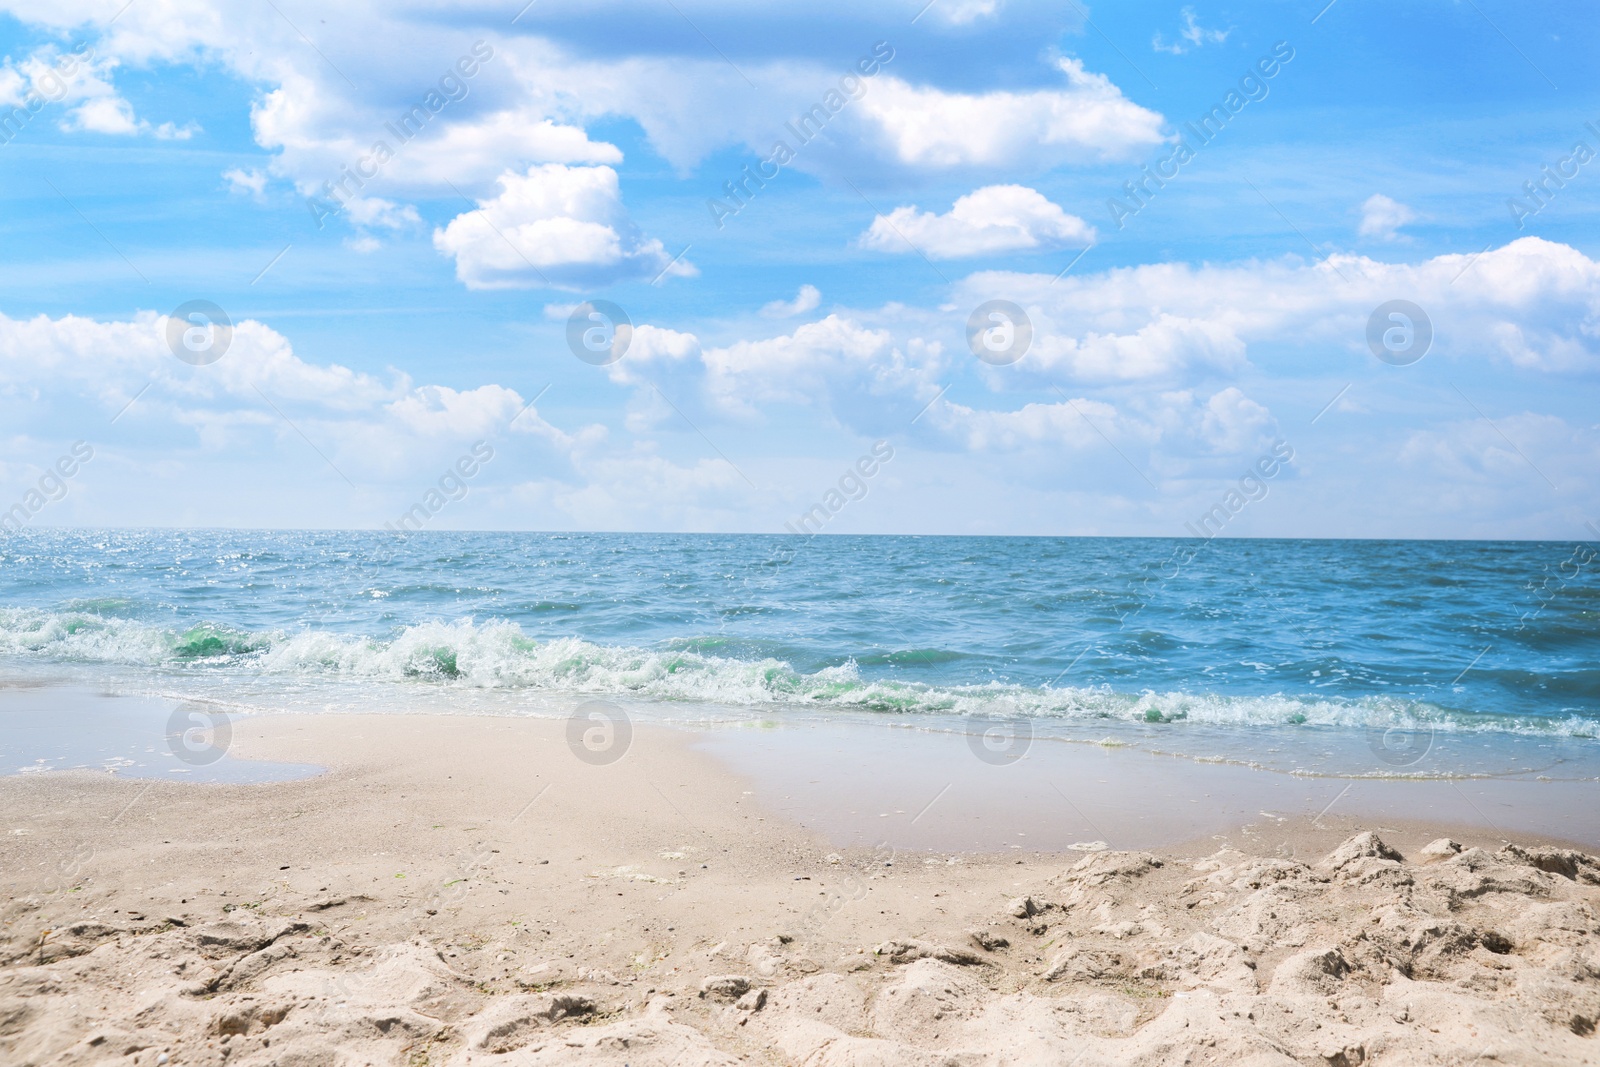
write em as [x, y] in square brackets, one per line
[466, 891]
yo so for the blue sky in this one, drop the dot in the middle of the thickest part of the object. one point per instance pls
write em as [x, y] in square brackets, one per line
[177, 151]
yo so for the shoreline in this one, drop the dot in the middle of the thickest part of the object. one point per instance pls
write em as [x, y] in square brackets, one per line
[968, 785]
[467, 890]
[842, 779]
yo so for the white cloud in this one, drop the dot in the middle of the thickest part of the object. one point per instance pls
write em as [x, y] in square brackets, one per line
[996, 218]
[372, 212]
[1382, 217]
[1191, 331]
[364, 422]
[963, 12]
[111, 114]
[1067, 424]
[1226, 424]
[252, 182]
[1233, 424]
[81, 82]
[114, 115]
[640, 489]
[511, 111]
[51, 76]
[652, 346]
[1531, 303]
[1160, 348]
[1193, 35]
[1087, 121]
[474, 152]
[797, 366]
[691, 108]
[321, 137]
[870, 373]
[555, 226]
[835, 362]
[168, 131]
[528, 103]
[439, 411]
[868, 378]
[103, 114]
[112, 360]
[1471, 451]
[323, 112]
[389, 436]
[1159, 356]
[805, 300]
[1473, 479]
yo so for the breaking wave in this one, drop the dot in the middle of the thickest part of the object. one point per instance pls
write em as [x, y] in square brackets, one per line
[499, 655]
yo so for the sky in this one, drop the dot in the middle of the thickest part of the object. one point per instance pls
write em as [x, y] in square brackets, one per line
[1288, 269]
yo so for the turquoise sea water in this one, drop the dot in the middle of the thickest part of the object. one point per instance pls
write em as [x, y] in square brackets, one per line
[1343, 657]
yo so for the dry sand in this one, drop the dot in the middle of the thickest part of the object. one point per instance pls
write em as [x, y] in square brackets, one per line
[465, 891]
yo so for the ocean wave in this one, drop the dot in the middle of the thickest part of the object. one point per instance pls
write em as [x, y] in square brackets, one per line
[499, 655]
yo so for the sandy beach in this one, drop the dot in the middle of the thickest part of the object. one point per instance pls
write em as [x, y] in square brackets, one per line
[948, 533]
[463, 890]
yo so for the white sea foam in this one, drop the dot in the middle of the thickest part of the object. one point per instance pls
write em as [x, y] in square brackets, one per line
[499, 655]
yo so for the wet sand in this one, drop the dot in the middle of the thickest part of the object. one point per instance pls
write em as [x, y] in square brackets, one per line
[917, 788]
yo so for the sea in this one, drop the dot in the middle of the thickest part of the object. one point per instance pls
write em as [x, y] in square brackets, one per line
[1354, 658]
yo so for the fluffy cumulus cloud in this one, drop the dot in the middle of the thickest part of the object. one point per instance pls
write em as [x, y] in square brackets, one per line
[1382, 217]
[1150, 361]
[127, 370]
[1075, 423]
[389, 437]
[453, 107]
[490, 139]
[452, 104]
[1087, 120]
[807, 299]
[996, 218]
[1161, 348]
[249, 182]
[331, 146]
[79, 83]
[1134, 370]
[652, 352]
[881, 379]
[836, 361]
[557, 227]
[374, 212]
[1532, 303]
[1231, 423]
[1164, 347]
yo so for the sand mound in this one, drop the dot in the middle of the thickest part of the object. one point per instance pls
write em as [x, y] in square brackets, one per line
[1460, 956]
